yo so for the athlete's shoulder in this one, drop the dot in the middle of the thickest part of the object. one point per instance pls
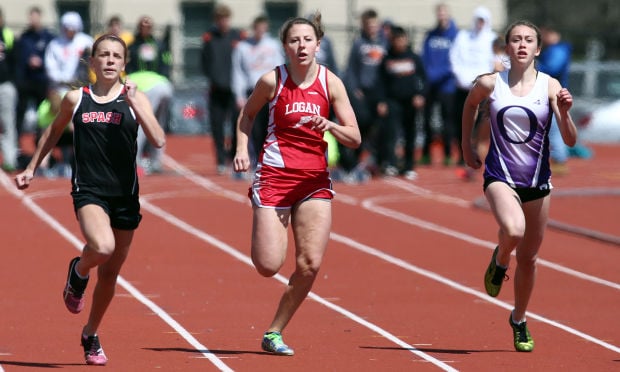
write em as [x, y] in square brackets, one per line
[329, 73]
[553, 85]
[487, 81]
[73, 96]
[272, 76]
[335, 85]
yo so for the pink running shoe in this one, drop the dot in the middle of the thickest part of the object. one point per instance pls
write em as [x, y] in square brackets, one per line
[74, 298]
[93, 353]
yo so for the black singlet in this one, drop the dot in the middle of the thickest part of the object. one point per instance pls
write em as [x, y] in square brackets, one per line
[104, 141]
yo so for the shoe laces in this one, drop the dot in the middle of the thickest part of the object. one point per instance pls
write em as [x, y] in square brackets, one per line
[92, 345]
[499, 275]
[521, 331]
[74, 293]
[275, 339]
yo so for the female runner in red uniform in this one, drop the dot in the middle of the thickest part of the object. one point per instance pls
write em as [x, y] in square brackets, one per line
[291, 184]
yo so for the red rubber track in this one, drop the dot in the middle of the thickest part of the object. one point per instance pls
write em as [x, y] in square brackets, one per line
[400, 288]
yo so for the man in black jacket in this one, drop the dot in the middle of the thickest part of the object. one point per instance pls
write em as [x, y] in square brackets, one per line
[401, 90]
[217, 49]
[32, 80]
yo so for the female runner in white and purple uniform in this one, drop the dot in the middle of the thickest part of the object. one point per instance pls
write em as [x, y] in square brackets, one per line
[517, 176]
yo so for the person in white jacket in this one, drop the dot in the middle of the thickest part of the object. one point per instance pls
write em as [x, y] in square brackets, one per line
[65, 58]
[66, 65]
[471, 55]
[251, 59]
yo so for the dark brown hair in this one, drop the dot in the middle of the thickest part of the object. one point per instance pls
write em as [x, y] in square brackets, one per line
[369, 14]
[315, 22]
[526, 24]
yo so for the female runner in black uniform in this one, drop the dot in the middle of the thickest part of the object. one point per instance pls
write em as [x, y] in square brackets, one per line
[105, 116]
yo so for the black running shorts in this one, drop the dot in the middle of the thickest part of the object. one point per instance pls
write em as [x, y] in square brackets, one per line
[124, 211]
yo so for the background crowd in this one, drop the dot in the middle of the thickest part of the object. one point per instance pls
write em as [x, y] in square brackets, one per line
[408, 99]
[39, 66]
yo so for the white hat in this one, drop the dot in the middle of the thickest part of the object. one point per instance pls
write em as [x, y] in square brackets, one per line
[71, 21]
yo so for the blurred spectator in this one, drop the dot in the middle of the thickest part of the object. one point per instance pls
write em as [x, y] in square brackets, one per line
[8, 97]
[149, 66]
[251, 59]
[501, 61]
[555, 56]
[55, 163]
[217, 50]
[115, 27]
[66, 67]
[159, 91]
[365, 58]
[146, 53]
[325, 55]
[31, 77]
[554, 59]
[65, 58]
[386, 29]
[471, 55]
[401, 84]
[440, 83]
[166, 44]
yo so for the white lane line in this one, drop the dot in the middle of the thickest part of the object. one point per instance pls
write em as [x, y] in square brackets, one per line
[459, 287]
[184, 226]
[372, 204]
[427, 194]
[433, 227]
[78, 244]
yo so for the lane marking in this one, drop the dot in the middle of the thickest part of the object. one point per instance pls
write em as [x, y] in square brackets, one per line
[370, 205]
[387, 212]
[481, 203]
[436, 228]
[209, 239]
[459, 287]
[78, 244]
[427, 194]
[211, 186]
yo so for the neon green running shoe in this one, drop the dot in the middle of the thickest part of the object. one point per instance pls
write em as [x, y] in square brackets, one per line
[523, 340]
[272, 343]
[494, 276]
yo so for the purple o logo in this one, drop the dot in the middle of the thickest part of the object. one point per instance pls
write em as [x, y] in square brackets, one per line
[502, 129]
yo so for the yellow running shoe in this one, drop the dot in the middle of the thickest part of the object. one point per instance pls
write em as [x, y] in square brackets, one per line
[523, 340]
[494, 276]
